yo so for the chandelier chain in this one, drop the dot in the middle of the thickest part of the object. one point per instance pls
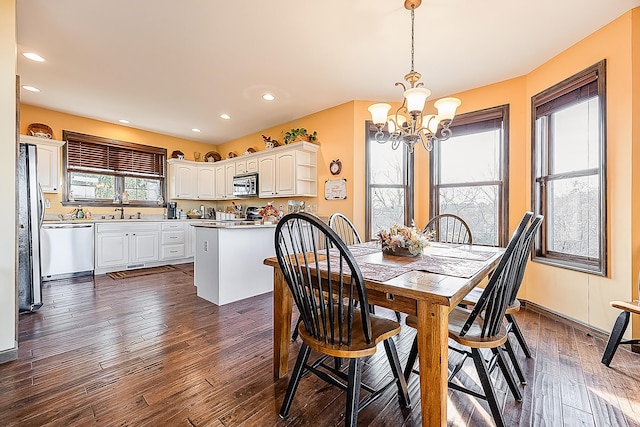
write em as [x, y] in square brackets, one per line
[412, 49]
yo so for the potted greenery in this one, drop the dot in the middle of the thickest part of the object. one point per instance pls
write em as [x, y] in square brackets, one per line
[299, 134]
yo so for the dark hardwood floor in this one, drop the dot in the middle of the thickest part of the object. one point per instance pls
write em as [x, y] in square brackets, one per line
[148, 351]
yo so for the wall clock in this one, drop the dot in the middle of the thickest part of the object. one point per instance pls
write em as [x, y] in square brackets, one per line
[335, 167]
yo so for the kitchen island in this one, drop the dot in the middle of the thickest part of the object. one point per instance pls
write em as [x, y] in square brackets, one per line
[228, 264]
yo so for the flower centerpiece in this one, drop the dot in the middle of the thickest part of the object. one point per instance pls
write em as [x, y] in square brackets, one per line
[269, 213]
[403, 241]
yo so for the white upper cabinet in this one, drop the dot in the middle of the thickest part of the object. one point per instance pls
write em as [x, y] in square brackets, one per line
[183, 179]
[229, 172]
[289, 170]
[267, 175]
[48, 152]
[221, 188]
[206, 181]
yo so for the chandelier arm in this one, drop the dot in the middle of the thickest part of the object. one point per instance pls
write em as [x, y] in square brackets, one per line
[379, 137]
[445, 133]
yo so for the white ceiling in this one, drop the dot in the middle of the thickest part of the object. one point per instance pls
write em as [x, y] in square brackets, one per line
[168, 66]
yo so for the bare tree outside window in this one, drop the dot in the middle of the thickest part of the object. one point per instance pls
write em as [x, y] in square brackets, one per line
[569, 178]
[389, 187]
[469, 174]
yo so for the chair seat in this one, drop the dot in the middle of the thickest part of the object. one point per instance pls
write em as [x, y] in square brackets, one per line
[457, 317]
[472, 298]
[381, 329]
[630, 306]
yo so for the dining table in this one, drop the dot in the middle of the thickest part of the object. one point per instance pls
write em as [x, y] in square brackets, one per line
[427, 286]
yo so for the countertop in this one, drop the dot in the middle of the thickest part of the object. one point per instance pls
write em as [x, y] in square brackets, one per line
[209, 223]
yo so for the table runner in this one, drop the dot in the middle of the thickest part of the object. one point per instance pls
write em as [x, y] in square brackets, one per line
[438, 259]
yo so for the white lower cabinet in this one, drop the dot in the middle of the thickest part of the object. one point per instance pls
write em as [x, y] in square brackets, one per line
[127, 245]
[121, 246]
[173, 240]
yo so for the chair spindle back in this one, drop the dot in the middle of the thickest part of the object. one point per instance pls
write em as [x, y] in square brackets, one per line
[495, 298]
[449, 228]
[326, 298]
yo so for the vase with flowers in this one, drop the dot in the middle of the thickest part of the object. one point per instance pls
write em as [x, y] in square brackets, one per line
[269, 213]
[401, 240]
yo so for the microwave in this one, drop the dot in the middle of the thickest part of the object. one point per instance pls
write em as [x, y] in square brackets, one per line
[245, 185]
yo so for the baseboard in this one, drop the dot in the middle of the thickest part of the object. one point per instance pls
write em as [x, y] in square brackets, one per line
[588, 329]
[9, 355]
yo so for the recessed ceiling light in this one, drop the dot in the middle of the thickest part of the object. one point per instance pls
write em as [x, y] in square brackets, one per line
[31, 88]
[268, 97]
[33, 56]
[225, 116]
[195, 130]
[124, 121]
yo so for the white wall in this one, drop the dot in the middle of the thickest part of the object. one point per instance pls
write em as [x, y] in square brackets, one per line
[8, 339]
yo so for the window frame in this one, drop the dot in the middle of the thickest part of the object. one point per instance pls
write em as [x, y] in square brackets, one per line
[468, 123]
[118, 175]
[408, 180]
[541, 165]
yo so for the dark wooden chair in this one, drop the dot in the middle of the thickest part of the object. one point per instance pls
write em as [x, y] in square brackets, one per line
[620, 326]
[483, 326]
[344, 228]
[331, 324]
[449, 228]
[512, 326]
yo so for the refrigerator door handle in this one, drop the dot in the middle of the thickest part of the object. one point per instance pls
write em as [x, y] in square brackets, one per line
[40, 206]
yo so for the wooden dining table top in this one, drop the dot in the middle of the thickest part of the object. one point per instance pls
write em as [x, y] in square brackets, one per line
[443, 273]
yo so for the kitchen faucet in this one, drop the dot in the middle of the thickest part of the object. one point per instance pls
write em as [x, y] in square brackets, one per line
[121, 212]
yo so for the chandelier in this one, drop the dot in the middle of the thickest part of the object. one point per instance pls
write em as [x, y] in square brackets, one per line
[410, 124]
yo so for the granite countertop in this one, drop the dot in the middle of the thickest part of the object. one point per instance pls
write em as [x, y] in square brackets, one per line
[232, 224]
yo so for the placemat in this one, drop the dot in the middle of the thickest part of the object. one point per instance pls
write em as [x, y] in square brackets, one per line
[457, 267]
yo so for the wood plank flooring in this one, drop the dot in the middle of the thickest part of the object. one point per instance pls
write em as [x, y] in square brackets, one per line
[147, 351]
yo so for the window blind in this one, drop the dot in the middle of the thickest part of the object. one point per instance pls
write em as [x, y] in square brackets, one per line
[96, 154]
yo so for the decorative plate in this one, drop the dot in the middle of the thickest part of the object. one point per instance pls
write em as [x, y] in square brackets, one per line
[231, 155]
[250, 150]
[177, 154]
[40, 130]
[212, 156]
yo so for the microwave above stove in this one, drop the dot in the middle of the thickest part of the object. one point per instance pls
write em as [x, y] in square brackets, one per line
[245, 185]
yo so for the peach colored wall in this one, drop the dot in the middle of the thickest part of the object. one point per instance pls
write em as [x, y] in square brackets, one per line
[59, 121]
[336, 140]
[581, 296]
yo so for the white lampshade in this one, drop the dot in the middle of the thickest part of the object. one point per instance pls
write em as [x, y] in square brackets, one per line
[379, 113]
[391, 126]
[447, 107]
[431, 122]
[416, 97]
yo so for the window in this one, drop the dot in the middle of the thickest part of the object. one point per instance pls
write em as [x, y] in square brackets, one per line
[389, 183]
[569, 141]
[469, 174]
[99, 171]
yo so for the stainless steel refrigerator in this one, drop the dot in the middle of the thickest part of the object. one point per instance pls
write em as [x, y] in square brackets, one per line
[30, 216]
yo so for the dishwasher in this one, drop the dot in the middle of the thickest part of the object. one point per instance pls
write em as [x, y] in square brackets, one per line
[66, 250]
